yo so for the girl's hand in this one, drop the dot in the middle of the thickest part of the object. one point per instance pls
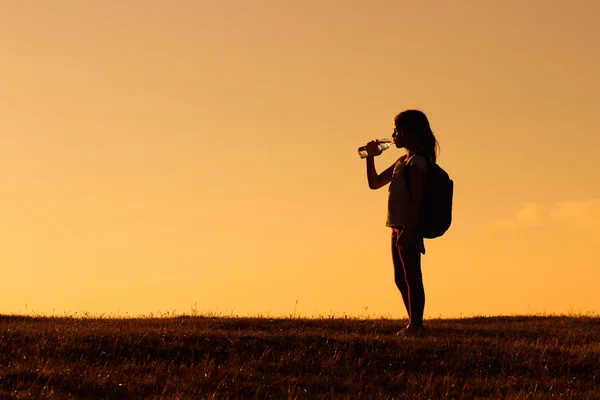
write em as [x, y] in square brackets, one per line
[373, 148]
[406, 239]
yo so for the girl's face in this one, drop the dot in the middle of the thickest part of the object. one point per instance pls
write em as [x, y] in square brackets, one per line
[400, 138]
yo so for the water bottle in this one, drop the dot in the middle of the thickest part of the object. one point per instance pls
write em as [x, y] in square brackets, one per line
[382, 145]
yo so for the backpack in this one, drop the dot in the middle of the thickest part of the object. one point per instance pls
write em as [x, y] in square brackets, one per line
[435, 212]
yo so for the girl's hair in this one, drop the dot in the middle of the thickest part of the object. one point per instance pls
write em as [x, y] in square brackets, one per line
[415, 124]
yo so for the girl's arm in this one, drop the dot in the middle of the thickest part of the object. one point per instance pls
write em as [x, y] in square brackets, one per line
[378, 180]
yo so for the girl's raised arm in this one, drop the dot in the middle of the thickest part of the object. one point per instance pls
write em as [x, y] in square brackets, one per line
[378, 180]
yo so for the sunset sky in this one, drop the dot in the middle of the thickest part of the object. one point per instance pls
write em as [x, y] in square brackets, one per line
[158, 156]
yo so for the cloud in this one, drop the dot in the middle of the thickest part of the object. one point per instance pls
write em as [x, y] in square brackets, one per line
[583, 216]
[530, 215]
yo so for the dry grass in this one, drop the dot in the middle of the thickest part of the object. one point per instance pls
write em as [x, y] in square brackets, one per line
[210, 357]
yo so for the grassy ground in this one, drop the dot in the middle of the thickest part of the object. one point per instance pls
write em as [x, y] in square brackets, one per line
[202, 357]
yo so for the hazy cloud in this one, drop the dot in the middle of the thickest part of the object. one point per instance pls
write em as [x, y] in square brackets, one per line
[583, 215]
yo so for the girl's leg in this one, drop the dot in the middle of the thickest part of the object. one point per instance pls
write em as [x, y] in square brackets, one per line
[411, 261]
[399, 274]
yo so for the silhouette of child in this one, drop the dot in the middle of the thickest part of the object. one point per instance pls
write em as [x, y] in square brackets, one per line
[413, 133]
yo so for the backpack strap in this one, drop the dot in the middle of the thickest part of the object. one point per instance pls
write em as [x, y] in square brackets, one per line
[407, 177]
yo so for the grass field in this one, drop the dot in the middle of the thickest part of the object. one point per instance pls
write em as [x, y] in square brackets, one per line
[216, 357]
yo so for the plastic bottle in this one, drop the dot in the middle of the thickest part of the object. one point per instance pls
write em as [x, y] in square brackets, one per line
[382, 145]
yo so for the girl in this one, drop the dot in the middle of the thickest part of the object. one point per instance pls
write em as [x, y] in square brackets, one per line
[413, 133]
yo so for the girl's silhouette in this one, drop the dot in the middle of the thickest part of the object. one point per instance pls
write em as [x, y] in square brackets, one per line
[413, 133]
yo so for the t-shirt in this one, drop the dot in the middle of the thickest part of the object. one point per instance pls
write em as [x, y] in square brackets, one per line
[398, 196]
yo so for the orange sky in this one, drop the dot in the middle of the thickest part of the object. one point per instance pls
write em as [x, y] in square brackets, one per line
[157, 157]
